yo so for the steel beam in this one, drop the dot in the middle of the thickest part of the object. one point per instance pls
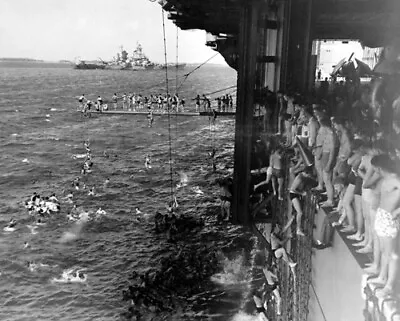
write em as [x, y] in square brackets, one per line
[248, 40]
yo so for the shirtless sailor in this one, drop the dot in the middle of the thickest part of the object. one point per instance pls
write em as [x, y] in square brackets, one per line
[76, 183]
[99, 103]
[387, 224]
[81, 101]
[277, 245]
[115, 101]
[272, 286]
[11, 225]
[91, 192]
[275, 172]
[150, 118]
[197, 100]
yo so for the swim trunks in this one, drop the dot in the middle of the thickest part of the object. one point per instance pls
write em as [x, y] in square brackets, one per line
[385, 225]
[358, 186]
[277, 172]
[324, 160]
[352, 178]
[269, 288]
[293, 195]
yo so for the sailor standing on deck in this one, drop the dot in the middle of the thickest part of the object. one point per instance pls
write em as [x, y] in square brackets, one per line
[81, 100]
[150, 117]
[124, 98]
[115, 100]
[197, 99]
[99, 103]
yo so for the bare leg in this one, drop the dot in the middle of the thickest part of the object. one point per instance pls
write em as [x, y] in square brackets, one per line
[392, 267]
[299, 214]
[357, 203]
[319, 175]
[327, 177]
[347, 204]
[385, 247]
[278, 301]
[274, 184]
[374, 268]
[369, 247]
[368, 237]
[280, 188]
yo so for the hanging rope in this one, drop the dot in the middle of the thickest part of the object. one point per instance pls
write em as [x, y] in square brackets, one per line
[176, 84]
[168, 108]
[212, 119]
[177, 60]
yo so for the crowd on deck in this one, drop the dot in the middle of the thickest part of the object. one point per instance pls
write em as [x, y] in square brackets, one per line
[343, 144]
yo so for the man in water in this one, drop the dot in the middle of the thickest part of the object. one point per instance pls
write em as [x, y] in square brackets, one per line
[91, 192]
[226, 190]
[12, 223]
[147, 162]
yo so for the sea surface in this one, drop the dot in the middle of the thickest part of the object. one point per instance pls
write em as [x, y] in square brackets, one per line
[40, 132]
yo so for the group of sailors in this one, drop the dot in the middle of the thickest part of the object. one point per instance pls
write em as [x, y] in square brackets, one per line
[159, 102]
[88, 163]
[134, 102]
[224, 103]
[43, 206]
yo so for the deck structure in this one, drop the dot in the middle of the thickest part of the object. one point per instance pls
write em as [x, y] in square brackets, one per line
[269, 43]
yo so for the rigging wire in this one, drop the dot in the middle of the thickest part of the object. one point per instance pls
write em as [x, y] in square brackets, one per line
[168, 108]
[177, 59]
[176, 84]
[217, 91]
[212, 119]
[198, 67]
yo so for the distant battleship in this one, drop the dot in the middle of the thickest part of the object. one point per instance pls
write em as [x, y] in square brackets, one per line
[137, 61]
[90, 65]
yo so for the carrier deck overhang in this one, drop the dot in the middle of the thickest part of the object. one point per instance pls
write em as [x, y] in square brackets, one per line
[370, 21]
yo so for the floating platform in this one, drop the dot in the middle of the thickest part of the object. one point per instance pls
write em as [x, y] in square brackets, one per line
[128, 112]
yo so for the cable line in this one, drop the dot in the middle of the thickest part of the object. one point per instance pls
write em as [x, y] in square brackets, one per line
[199, 66]
[217, 91]
[168, 108]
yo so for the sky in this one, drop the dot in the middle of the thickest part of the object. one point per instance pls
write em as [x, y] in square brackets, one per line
[54, 30]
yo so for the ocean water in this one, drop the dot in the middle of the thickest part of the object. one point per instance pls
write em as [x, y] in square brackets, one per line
[39, 134]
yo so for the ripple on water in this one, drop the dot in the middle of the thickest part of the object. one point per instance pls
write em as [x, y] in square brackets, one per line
[110, 249]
